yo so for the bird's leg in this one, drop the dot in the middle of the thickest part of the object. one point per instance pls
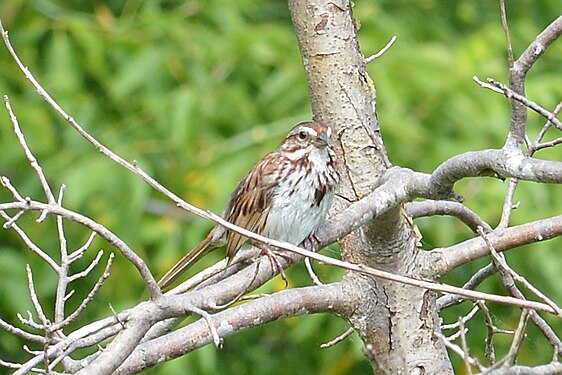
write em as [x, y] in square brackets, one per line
[273, 259]
[311, 243]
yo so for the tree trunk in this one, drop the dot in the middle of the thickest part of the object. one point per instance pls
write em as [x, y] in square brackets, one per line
[396, 322]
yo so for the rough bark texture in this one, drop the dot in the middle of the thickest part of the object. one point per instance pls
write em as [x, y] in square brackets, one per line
[396, 322]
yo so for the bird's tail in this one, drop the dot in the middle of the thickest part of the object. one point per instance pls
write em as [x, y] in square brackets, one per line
[205, 247]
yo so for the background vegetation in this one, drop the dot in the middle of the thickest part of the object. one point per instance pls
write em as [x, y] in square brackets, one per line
[197, 91]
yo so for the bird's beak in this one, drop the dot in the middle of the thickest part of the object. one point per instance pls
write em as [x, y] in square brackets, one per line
[326, 141]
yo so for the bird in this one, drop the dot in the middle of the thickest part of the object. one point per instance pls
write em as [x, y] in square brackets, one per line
[285, 196]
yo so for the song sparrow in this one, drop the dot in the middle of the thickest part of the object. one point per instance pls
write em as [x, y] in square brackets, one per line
[285, 196]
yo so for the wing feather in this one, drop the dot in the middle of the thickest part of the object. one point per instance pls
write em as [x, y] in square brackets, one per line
[250, 202]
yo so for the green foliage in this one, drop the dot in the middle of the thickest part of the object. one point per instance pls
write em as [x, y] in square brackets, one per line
[197, 91]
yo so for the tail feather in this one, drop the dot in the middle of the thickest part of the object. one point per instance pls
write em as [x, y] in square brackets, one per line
[188, 260]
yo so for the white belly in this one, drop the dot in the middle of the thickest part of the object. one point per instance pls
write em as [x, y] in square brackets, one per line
[296, 214]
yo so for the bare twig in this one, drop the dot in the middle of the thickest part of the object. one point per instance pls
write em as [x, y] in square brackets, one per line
[517, 76]
[63, 278]
[533, 147]
[517, 338]
[510, 94]
[97, 286]
[464, 319]
[21, 333]
[101, 230]
[338, 339]
[508, 276]
[5, 181]
[78, 253]
[88, 269]
[212, 328]
[315, 279]
[32, 160]
[548, 332]
[89, 335]
[464, 347]
[537, 48]
[503, 16]
[30, 322]
[481, 275]
[31, 245]
[457, 350]
[504, 268]
[508, 205]
[372, 58]
[11, 221]
[14, 366]
[540, 146]
[35, 298]
[490, 352]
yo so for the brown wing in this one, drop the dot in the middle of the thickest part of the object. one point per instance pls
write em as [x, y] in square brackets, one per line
[250, 201]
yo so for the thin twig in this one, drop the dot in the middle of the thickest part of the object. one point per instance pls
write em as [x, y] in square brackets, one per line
[502, 266]
[508, 206]
[97, 286]
[457, 350]
[464, 319]
[475, 280]
[500, 88]
[78, 253]
[338, 339]
[505, 26]
[490, 352]
[35, 298]
[372, 58]
[315, 279]
[30, 157]
[517, 339]
[464, 347]
[540, 146]
[30, 322]
[11, 221]
[63, 279]
[209, 319]
[21, 333]
[31, 245]
[5, 181]
[88, 269]
[546, 126]
[14, 366]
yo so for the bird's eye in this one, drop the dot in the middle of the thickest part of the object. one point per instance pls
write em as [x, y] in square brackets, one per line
[302, 135]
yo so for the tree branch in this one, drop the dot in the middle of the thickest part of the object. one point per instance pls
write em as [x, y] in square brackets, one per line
[517, 77]
[292, 302]
[456, 209]
[553, 368]
[496, 163]
[447, 259]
